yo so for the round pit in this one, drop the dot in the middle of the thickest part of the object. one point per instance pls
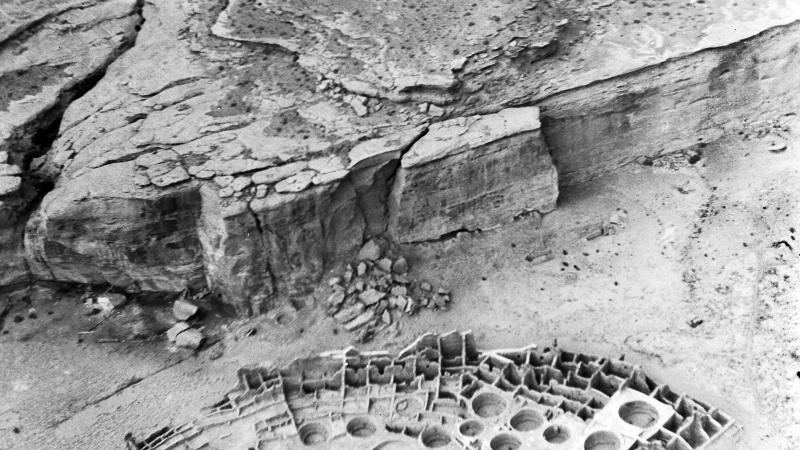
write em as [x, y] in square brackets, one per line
[312, 433]
[488, 404]
[555, 434]
[505, 441]
[471, 428]
[360, 427]
[434, 437]
[526, 420]
[639, 414]
[602, 440]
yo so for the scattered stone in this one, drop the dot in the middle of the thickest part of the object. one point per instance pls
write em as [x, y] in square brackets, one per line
[382, 306]
[9, 184]
[539, 257]
[326, 164]
[348, 273]
[618, 217]
[240, 183]
[327, 178]
[174, 176]
[111, 301]
[398, 302]
[439, 301]
[777, 147]
[435, 111]
[191, 339]
[183, 310]
[349, 313]
[370, 251]
[223, 180]
[400, 266]
[9, 169]
[176, 329]
[336, 298]
[402, 279]
[276, 174]
[141, 180]
[399, 291]
[361, 320]
[458, 63]
[370, 297]
[216, 352]
[385, 264]
[32, 313]
[296, 183]
[205, 174]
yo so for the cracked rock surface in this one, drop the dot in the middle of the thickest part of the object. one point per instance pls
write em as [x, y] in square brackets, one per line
[248, 147]
[38, 80]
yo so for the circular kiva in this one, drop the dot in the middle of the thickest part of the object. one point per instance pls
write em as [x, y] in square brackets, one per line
[505, 441]
[602, 440]
[526, 420]
[555, 434]
[488, 404]
[638, 413]
[471, 428]
[360, 427]
[312, 433]
[434, 437]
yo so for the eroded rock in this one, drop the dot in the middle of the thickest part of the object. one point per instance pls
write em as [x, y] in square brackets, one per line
[251, 172]
[473, 173]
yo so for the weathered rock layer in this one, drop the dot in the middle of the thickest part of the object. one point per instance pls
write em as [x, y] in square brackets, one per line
[38, 80]
[217, 152]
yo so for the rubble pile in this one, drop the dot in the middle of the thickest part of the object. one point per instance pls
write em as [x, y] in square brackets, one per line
[182, 334]
[376, 292]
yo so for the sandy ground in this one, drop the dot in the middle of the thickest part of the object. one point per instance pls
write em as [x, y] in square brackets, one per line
[702, 243]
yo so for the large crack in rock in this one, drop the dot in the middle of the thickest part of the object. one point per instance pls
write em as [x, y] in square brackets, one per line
[253, 158]
[37, 82]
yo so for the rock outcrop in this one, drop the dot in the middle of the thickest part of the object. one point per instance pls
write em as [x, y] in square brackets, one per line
[472, 173]
[248, 147]
[38, 80]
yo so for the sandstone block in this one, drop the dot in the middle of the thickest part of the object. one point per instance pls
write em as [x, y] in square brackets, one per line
[191, 339]
[183, 310]
[472, 173]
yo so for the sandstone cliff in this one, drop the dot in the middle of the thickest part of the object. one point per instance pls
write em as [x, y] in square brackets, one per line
[247, 147]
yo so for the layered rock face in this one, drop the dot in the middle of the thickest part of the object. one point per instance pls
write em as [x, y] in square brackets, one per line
[247, 147]
[680, 104]
[37, 81]
[471, 173]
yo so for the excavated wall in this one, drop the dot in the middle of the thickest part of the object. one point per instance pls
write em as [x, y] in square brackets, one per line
[154, 193]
